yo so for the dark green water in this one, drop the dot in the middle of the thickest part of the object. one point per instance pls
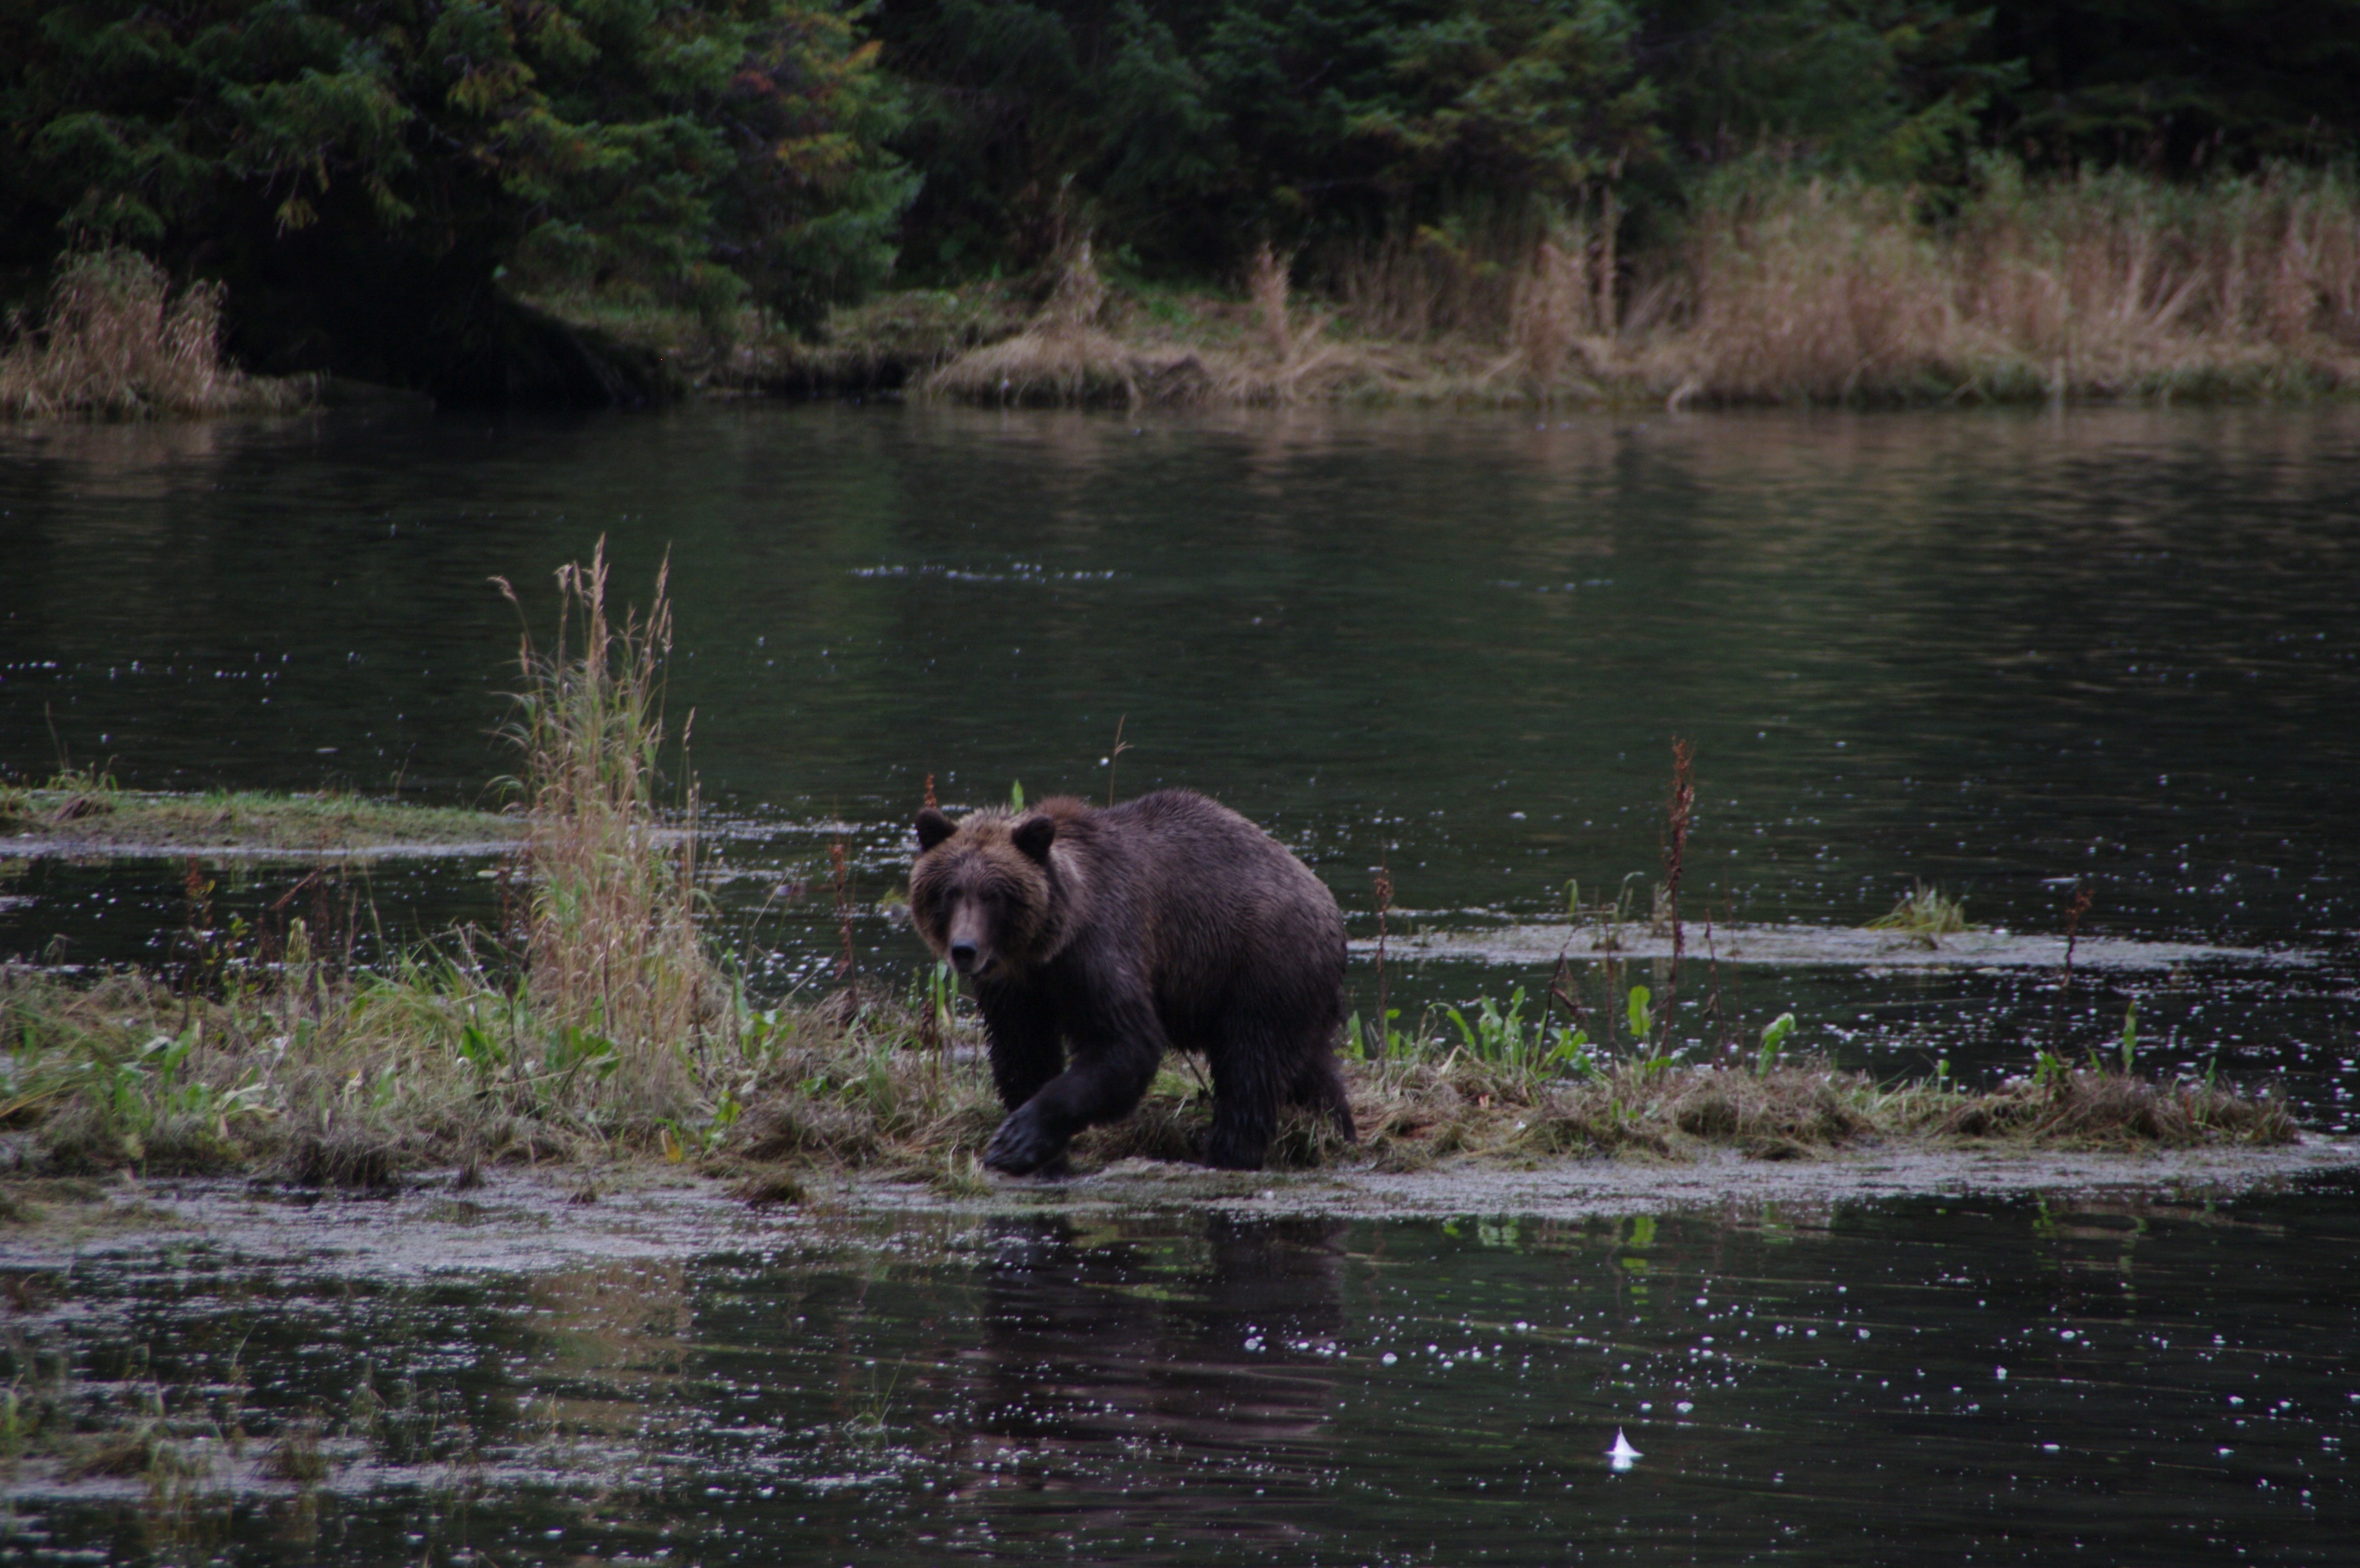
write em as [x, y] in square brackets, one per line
[2006, 653]
[2135, 1380]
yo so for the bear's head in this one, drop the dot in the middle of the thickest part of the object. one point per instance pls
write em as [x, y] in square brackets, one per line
[982, 893]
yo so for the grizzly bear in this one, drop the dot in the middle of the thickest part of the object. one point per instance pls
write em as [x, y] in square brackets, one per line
[1166, 922]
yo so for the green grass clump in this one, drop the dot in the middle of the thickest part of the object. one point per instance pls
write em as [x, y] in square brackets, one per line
[1923, 916]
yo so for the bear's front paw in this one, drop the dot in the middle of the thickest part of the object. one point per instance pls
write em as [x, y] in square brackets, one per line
[1024, 1146]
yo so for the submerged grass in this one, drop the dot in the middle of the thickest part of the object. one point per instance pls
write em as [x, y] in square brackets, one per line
[115, 342]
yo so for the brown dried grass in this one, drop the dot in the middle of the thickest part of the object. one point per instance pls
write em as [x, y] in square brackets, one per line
[613, 945]
[1814, 292]
[1785, 289]
[1066, 358]
[114, 341]
[2108, 1110]
[2106, 285]
[1416, 1113]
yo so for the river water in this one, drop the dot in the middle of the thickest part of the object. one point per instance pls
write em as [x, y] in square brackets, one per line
[2012, 655]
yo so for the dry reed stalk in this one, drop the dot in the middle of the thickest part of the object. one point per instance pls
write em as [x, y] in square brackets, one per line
[2104, 284]
[1063, 358]
[844, 964]
[1266, 288]
[1432, 283]
[1680, 810]
[1384, 892]
[114, 341]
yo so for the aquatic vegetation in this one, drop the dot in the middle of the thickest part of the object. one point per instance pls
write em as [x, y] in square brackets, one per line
[1500, 1035]
[1923, 916]
[600, 1015]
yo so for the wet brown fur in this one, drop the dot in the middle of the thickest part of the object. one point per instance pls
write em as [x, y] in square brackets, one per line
[1096, 940]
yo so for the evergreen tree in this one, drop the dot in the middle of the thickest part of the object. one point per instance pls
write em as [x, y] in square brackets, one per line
[363, 173]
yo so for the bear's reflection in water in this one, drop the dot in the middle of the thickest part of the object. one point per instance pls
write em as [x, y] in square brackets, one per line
[1123, 1362]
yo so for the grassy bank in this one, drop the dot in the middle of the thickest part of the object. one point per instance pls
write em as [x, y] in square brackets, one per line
[116, 343]
[88, 811]
[369, 1080]
[1782, 288]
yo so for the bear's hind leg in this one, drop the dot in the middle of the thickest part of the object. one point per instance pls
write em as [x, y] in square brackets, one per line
[1245, 1105]
[1319, 1088]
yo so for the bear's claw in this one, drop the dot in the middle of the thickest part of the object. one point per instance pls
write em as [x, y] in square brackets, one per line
[1023, 1146]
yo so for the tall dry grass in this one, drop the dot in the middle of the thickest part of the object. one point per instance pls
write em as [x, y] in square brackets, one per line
[1810, 291]
[114, 341]
[2107, 284]
[1068, 355]
[1784, 288]
[613, 946]
[1063, 355]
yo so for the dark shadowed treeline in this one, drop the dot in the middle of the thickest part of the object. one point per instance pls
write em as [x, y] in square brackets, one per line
[1184, 133]
[367, 176]
[378, 183]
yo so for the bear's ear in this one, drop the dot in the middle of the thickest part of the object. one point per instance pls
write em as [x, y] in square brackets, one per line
[1033, 835]
[932, 828]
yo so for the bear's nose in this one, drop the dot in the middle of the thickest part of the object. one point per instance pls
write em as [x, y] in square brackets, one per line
[962, 957]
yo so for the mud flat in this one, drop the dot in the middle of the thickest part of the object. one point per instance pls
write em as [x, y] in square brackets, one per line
[1800, 945]
[528, 1221]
